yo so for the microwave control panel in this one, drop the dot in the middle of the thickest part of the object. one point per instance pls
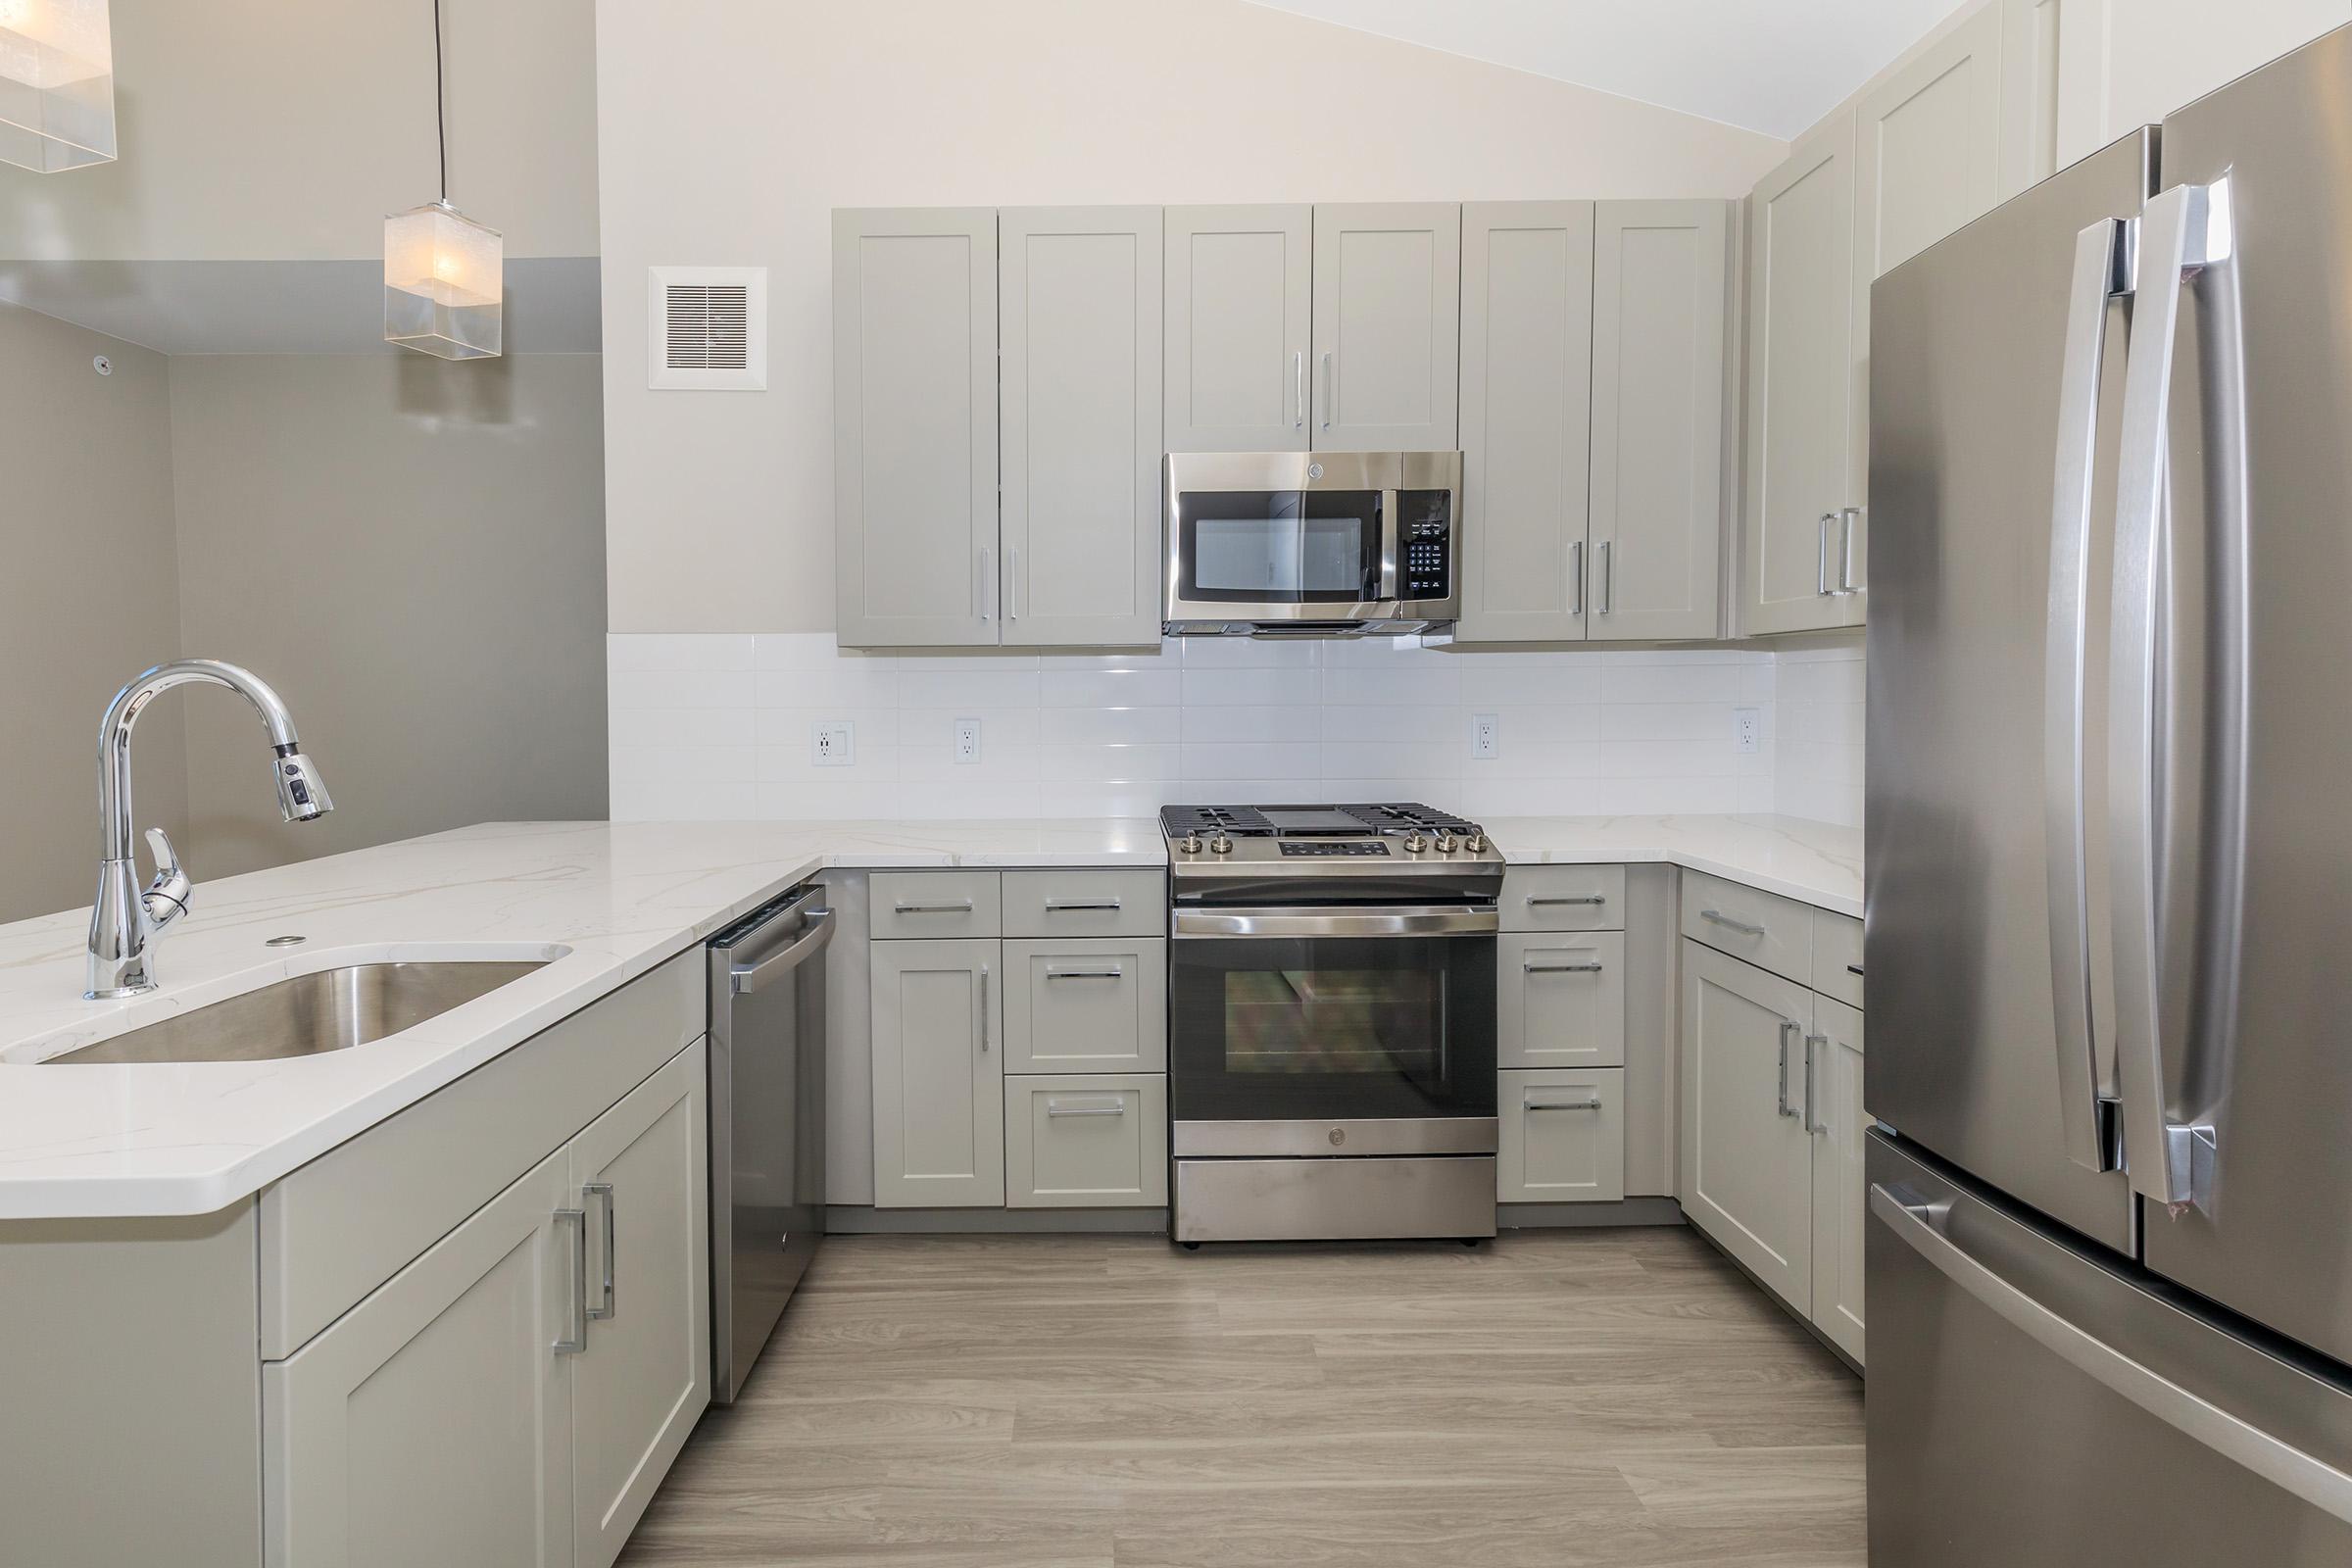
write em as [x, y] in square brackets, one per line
[1427, 536]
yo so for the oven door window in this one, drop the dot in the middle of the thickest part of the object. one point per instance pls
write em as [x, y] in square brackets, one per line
[1330, 1028]
[1279, 547]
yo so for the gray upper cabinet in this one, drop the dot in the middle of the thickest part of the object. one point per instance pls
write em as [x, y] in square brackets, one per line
[1526, 389]
[1799, 386]
[1079, 308]
[1388, 293]
[1237, 328]
[1659, 277]
[914, 426]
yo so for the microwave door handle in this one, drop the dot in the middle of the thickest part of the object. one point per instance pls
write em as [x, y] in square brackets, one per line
[2102, 270]
[1388, 593]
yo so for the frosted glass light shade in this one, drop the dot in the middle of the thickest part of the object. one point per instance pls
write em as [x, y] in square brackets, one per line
[444, 283]
[57, 84]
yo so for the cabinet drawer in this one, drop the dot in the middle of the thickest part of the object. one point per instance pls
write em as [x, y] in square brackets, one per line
[936, 903]
[1086, 903]
[1561, 999]
[1563, 898]
[1767, 930]
[1837, 956]
[1085, 1141]
[1097, 1004]
[1562, 1137]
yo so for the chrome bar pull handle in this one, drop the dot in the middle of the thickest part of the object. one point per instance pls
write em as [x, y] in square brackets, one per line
[959, 906]
[1849, 519]
[575, 1303]
[984, 581]
[1812, 1125]
[1533, 967]
[1057, 904]
[590, 1191]
[1780, 1082]
[1562, 1104]
[1718, 917]
[1576, 575]
[1328, 388]
[1298, 389]
[1113, 973]
[1054, 1107]
[1607, 553]
[1583, 898]
[1012, 583]
[1821, 554]
[984, 1009]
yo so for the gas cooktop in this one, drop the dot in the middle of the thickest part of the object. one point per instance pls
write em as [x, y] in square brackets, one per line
[1401, 837]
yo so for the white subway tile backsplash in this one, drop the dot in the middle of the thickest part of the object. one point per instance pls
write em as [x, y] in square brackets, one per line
[719, 727]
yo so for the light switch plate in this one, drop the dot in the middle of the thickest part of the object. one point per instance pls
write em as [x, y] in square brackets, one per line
[833, 743]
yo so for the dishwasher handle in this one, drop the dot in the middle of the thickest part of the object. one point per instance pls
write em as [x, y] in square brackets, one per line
[744, 979]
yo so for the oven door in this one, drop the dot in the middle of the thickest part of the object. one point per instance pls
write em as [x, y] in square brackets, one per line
[1306, 1032]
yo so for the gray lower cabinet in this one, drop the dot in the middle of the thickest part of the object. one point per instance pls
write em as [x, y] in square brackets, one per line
[1387, 327]
[1561, 999]
[1079, 313]
[939, 1084]
[1240, 290]
[1562, 1136]
[1840, 1193]
[1085, 1141]
[914, 426]
[515, 1394]
[433, 1421]
[1086, 1004]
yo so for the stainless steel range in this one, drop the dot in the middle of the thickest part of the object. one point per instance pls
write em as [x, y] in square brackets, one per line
[1331, 1010]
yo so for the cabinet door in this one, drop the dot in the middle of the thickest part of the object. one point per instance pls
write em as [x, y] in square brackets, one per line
[914, 426]
[642, 1173]
[1801, 380]
[1562, 1137]
[1833, 1104]
[1086, 1004]
[1527, 387]
[2028, 134]
[1085, 1141]
[1658, 286]
[1927, 159]
[1079, 302]
[432, 1423]
[1748, 1162]
[939, 1084]
[1239, 290]
[1387, 327]
[1560, 1000]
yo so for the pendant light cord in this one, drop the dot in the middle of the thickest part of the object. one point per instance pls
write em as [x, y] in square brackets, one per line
[440, 105]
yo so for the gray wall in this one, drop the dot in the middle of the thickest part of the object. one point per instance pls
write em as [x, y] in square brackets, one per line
[413, 552]
[89, 596]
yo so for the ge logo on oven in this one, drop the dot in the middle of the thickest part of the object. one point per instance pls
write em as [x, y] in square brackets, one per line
[1338, 1136]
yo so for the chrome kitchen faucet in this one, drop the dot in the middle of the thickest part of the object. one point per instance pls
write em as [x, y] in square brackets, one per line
[124, 922]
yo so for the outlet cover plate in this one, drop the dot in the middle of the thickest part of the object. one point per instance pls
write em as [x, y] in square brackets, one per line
[1486, 737]
[1748, 729]
[968, 740]
[833, 743]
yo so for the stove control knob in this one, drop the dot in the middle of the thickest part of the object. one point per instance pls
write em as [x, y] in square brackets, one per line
[1475, 844]
[1444, 842]
[1415, 844]
[1191, 844]
[1220, 845]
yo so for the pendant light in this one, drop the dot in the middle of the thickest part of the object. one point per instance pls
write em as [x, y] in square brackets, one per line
[57, 84]
[444, 273]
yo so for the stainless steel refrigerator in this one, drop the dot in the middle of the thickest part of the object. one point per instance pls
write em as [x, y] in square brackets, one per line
[2109, 849]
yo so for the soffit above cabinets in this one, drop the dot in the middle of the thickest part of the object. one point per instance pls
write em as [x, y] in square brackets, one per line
[1776, 68]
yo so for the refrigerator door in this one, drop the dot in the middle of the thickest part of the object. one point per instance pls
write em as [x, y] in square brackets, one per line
[1984, 868]
[2256, 894]
[2033, 1402]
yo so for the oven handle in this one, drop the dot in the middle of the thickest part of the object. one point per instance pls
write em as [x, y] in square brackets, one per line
[1410, 921]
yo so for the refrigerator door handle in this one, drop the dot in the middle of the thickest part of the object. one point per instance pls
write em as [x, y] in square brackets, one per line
[2102, 270]
[1921, 1226]
[2182, 232]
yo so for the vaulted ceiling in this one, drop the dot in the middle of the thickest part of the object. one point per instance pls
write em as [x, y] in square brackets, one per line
[1773, 65]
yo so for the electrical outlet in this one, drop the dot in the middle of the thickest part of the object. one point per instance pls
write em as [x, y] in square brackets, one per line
[1486, 737]
[1748, 729]
[968, 740]
[833, 743]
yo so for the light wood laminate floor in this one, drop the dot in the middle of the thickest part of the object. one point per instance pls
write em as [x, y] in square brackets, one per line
[1553, 1398]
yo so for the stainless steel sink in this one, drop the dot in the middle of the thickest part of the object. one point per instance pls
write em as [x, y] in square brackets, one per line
[334, 1009]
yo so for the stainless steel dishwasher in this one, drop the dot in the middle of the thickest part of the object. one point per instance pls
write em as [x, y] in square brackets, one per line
[767, 1122]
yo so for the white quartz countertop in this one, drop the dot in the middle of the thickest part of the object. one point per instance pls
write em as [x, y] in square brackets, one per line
[1817, 863]
[604, 902]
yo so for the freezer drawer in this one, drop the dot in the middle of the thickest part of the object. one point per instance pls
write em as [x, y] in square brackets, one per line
[2033, 1401]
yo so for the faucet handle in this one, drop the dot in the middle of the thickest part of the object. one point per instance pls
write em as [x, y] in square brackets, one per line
[170, 886]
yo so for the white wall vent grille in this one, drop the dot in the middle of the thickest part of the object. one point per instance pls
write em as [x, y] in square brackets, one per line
[710, 328]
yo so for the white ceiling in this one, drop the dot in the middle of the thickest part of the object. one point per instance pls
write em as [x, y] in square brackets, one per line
[1773, 65]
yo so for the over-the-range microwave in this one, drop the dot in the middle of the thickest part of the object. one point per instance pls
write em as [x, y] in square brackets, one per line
[1332, 543]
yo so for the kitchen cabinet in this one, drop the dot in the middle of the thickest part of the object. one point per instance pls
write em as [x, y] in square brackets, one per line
[1240, 291]
[1085, 1141]
[1086, 1004]
[1079, 310]
[939, 1083]
[1800, 492]
[914, 426]
[1561, 1136]
[2126, 65]
[639, 1174]
[1841, 1208]
[1657, 516]
[1526, 401]
[1747, 1158]
[1561, 999]
[1387, 327]
[2030, 31]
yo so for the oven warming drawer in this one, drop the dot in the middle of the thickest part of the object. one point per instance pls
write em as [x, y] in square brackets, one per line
[1376, 1135]
[1334, 1200]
